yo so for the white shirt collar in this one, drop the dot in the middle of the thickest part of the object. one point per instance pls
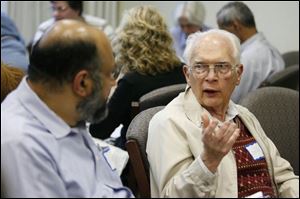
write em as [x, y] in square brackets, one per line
[194, 110]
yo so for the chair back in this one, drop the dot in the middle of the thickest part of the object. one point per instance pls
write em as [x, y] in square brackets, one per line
[158, 97]
[137, 135]
[161, 96]
[277, 110]
[291, 58]
[288, 78]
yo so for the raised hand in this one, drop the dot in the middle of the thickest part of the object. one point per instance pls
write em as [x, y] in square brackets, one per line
[217, 141]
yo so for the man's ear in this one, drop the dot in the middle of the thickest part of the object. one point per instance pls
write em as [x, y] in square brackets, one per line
[187, 73]
[82, 83]
[236, 26]
[239, 72]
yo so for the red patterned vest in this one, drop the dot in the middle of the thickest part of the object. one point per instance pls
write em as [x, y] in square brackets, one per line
[253, 175]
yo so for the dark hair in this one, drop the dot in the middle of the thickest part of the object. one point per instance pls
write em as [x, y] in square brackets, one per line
[236, 11]
[75, 5]
[60, 61]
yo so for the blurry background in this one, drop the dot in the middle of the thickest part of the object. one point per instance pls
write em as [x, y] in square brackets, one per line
[278, 20]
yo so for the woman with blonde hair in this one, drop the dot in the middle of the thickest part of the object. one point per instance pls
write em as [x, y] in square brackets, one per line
[143, 49]
[10, 79]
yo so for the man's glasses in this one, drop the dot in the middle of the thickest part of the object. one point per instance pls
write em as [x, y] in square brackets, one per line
[219, 68]
[59, 9]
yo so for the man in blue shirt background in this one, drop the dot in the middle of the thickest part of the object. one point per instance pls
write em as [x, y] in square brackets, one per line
[13, 49]
[45, 148]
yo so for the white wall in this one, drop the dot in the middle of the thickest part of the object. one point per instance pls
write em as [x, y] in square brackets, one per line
[4, 6]
[279, 21]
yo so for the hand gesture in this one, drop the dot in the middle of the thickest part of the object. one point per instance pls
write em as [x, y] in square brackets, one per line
[217, 141]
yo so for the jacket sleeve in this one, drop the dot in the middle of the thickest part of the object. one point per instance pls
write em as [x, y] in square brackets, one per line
[175, 172]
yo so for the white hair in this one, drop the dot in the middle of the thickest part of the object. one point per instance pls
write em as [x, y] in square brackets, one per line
[194, 11]
[194, 39]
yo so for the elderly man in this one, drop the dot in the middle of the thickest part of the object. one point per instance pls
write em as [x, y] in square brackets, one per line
[204, 145]
[259, 57]
[189, 18]
[45, 148]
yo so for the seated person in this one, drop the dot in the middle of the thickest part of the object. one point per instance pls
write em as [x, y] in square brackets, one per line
[259, 57]
[13, 49]
[189, 18]
[204, 145]
[10, 79]
[143, 47]
[46, 150]
[72, 10]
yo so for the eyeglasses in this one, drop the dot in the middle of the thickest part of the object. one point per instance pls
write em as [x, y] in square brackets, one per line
[59, 9]
[188, 25]
[219, 68]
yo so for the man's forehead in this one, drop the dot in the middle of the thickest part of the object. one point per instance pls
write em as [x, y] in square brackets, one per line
[215, 39]
[59, 3]
[212, 43]
[211, 48]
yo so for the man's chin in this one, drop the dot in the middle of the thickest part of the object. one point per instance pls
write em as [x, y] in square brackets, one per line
[99, 115]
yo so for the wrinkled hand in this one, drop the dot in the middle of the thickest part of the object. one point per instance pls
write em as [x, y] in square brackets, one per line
[217, 141]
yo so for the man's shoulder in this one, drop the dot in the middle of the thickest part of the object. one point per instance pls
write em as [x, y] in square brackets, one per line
[244, 112]
[46, 24]
[171, 112]
[257, 45]
[17, 123]
[42, 29]
[100, 23]
[95, 21]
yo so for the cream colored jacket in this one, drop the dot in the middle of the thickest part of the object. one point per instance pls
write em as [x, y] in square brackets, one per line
[174, 146]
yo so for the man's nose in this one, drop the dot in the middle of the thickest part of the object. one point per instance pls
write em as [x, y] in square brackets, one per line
[211, 74]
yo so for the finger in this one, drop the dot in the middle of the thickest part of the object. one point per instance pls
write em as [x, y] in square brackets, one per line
[222, 130]
[210, 128]
[205, 120]
[230, 130]
[233, 138]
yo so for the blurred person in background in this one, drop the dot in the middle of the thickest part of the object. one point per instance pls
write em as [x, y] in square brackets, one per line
[259, 57]
[10, 79]
[72, 10]
[143, 49]
[13, 49]
[189, 18]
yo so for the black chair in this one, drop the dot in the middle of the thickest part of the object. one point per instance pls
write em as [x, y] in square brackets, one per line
[277, 110]
[288, 78]
[158, 97]
[137, 135]
[291, 58]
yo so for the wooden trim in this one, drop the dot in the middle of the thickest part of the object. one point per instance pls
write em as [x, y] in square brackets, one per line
[139, 170]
